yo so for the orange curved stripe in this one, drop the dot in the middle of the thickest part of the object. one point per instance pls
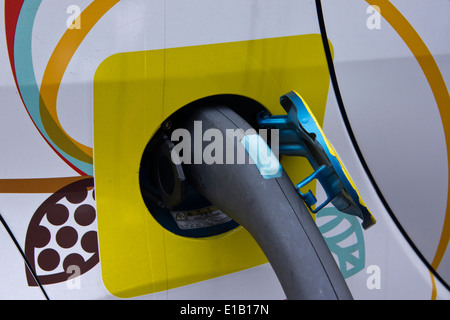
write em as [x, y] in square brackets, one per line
[437, 84]
[433, 285]
[54, 73]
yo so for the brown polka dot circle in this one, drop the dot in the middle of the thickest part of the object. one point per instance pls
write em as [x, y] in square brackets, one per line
[38, 237]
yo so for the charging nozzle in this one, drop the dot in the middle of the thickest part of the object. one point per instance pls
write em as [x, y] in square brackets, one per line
[301, 135]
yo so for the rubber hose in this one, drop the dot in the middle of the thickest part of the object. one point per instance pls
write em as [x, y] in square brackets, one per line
[271, 211]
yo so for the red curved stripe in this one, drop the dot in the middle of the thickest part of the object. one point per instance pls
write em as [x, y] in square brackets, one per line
[12, 11]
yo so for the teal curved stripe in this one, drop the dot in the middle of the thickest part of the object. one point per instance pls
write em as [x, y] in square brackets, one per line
[26, 78]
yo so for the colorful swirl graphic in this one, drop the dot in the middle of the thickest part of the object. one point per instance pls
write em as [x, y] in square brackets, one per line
[40, 102]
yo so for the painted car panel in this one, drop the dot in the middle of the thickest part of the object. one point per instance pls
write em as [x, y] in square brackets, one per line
[53, 56]
[392, 72]
[13, 286]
